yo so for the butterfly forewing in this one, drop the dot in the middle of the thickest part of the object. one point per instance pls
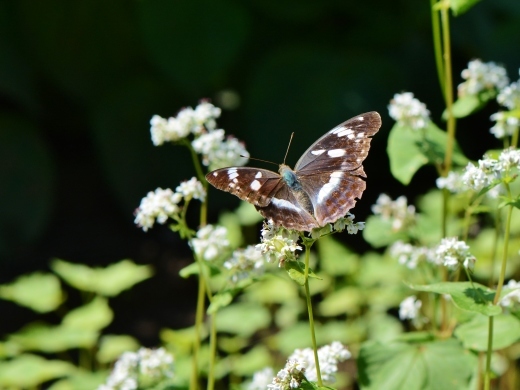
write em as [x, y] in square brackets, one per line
[254, 185]
[342, 148]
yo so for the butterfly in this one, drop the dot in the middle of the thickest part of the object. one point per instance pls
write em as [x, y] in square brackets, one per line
[323, 186]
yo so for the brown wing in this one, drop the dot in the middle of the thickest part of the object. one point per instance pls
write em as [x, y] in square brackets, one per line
[253, 185]
[284, 210]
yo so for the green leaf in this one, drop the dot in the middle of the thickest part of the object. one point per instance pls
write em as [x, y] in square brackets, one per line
[112, 346]
[191, 269]
[38, 291]
[109, 281]
[335, 258]
[437, 365]
[40, 337]
[29, 371]
[243, 319]
[468, 104]
[461, 6]
[81, 380]
[474, 334]
[378, 232]
[296, 271]
[219, 301]
[466, 295]
[409, 150]
[250, 362]
[93, 316]
[347, 300]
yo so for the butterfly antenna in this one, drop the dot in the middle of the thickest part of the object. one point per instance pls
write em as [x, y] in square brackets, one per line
[288, 146]
[258, 159]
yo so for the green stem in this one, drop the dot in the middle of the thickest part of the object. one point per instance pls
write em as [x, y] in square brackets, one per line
[437, 45]
[212, 352]
[487, 375]
[448, 90]
[199, 317]
[504, 255]
[311, 317]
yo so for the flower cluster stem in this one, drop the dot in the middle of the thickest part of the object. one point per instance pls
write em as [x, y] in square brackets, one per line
[311, 316]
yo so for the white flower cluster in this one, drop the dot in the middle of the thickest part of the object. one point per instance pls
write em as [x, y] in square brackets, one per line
[409, 111]
[451, 252]
[505, 125]
[514, 296]
[146, 365]
[289, 377]
[301, 364]
[509, 96]
[399, 212]
[245, 263]
[159, 205]
[261, 379]
[490, 170]
[453, 183]
[410, 256]
[409, 308]
[348, 222]
[278, 243]
[217, 150]
[210, 243]
[188, 121]
[482, 76]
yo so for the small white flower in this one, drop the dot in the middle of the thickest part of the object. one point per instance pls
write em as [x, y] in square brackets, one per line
[453, 182]
[514, 296]
[399, 212]
[204, 116]
[278, 243]
[409, 308]
[348, 222]
[210, 243]
[475, 177]
[510, 96]
[453, 252]
[409, 111]
[154, 365]
[505, 125]
[509, 159]
[158, 205]
[290, 377]
[482, 76]
[192, 189]
[261, 379]
[409, 255]
[245, 263]
[218, 152]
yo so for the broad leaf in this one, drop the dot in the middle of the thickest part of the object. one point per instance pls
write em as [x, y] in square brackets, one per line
[474, 334]
[109, 281]
[38, 291]
[242, 319]
[437, 365]
[112, 346]
[467, 296]
[95, 316]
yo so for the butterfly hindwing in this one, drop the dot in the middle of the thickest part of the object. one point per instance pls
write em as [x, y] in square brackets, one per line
[253, 185]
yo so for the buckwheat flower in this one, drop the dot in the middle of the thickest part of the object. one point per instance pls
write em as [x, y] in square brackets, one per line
[278, 243]
[409, 111]
[482, 76]
[475, 177]
[409, 255]
[192, 189]
[289, 377]
[453, 252]
[514, 296]
[510, 96]
[409, 308]
[204, 117]
[231, 152]
[328, 355]
[505, 125]
[171, 129]
[156, 364]
[157, 206]
[210, 243]
[453, 182]
[348, 222]
[124, 374]
[508, 160]
[245, 263]
[261, 379]
[207, 142]
[399, 212]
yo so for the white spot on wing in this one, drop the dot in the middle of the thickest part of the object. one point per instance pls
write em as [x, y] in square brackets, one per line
[318, 152]
[334, 180]
[361, 134]
[215, 174]
[345, 132]
[232, 173]
[284, 204]
[336, 152]
[258, 175]
[360, 118]
[255, 185]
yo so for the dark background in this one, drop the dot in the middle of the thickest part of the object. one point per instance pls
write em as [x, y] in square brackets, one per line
[80, 80]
